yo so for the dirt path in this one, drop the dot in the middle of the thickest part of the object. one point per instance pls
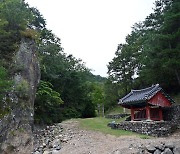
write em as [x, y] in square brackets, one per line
[90, 142]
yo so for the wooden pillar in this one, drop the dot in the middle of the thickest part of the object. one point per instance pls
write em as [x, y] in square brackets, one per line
[132, 113]
[148, 114]
[160, 114]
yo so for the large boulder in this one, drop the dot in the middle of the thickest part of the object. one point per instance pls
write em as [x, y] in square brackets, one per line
[16, 127]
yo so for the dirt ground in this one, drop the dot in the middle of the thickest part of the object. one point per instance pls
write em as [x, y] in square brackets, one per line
[91, 142]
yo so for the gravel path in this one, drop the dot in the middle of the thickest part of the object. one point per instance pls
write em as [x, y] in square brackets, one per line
[91, 142]
[68, 138]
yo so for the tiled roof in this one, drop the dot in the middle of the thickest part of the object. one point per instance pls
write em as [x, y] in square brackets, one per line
[140, 95]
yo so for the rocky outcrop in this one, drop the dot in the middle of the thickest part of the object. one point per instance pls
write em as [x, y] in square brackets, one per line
[16, 127]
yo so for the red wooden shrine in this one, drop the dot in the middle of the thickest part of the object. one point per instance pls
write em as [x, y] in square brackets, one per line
[146, 104]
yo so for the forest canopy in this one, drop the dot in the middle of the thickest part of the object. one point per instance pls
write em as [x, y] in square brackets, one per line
[68, 89]
[66, 86]
[151, 53]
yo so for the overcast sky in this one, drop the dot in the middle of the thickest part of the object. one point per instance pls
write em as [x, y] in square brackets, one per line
[92, 29]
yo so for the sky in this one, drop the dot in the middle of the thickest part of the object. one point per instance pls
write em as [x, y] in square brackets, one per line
[92, 29]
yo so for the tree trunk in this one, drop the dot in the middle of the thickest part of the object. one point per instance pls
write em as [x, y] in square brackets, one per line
[98, 110]
[102, 110]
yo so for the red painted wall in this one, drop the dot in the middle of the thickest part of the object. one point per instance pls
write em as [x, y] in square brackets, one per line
[160, 100]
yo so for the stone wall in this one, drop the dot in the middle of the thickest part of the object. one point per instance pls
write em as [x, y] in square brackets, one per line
[152, 128]
[172, 114]
[116, 116]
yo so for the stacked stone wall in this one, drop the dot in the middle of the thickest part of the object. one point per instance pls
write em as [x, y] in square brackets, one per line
[152, 128]
[172, 114]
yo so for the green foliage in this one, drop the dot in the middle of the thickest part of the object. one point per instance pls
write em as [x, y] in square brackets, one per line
[17, 19]
[149, 55]
[5, 84]
[151, 52]
[30, 33]
[176, 98]
[60, 73]
[115, 110]
[22, 89]
[97, 94]
[70, 112]
[16, 14]
[89, 110]
[68, 76]
[162, 47]
[5, 87]
[111, 91]
[45, 90]
[47, 103]
[4, 111]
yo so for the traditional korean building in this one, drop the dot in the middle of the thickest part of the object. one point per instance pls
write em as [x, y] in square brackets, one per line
[146, 104]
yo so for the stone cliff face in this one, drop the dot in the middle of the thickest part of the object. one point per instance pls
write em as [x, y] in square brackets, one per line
[16, 127]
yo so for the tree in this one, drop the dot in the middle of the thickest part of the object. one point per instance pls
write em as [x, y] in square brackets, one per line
[112, 94]
[161, 47]
[63, 77]
[97, 95]
[124, 68]
[15, 17]
[17, 20]
[67, 75]
[151, 52]
[47, 103]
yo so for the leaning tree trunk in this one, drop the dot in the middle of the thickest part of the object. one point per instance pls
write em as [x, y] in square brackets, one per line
[102, 110]
[16, 128]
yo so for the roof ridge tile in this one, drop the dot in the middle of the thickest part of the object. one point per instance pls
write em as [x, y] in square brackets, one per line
[141, 95]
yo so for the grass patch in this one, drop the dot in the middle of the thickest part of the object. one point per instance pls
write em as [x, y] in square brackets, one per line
[100, 124]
